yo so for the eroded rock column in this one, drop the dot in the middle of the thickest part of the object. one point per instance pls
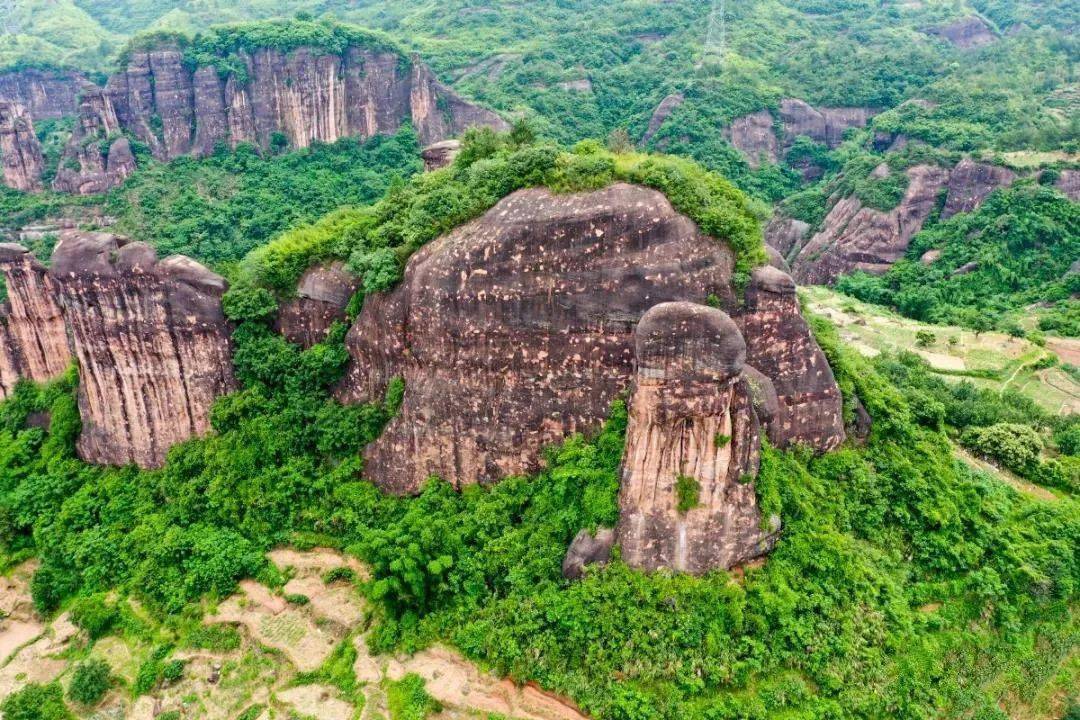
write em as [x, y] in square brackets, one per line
[152, 345]
[687, 500]
[33, 342]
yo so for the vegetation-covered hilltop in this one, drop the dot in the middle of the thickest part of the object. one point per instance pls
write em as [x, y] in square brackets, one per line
[905, 584]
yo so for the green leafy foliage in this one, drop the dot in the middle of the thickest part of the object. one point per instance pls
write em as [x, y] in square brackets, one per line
[36, 702]
[408, 700]
[89, 682]
[687, 493]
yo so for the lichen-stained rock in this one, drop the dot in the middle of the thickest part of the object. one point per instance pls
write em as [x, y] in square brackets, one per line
[47, 94]
[20, 150]
[151, 342]
[968, 32]
[755, 136]
[854, 237]
[970, 183]
[692, 426]
[97, 157]
[321, 298]
[33, 342]
[515, 330]
[809, 407]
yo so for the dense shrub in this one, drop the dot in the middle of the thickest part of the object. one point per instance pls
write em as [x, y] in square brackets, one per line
[36, 702]
[89, 682]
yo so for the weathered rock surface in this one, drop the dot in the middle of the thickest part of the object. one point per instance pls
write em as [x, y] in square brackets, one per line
[822, 125]
[304, 95]
[20, 150]
[970, 183]
[97, 157]
[516, 329]
[779, 344]
[663, 111]
[440, 154]
[858, 238]
[151, 342]
[1068, 182]
[321, 298]
[965, 33]
[33, 341]
[755, 136]
[786, 234]
[691, 417]
[587, 549]
[46, 94]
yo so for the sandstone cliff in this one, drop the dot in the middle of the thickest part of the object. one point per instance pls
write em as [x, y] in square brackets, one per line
[97, 157]
[151, 342]
[854, 237]
[20, 151]
[970, 183]
[755, 136]
[687, 499]
[46, 94]
[516, 330]
[33, 341]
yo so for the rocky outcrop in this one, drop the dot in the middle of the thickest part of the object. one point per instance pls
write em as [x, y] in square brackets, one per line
[33, 341]
[151, 343]
[587, 549]
[779, 344]
[20, 151]
[303, 96]
[516, 329]
[663, 111]
[786, 234]
[440, 154]
[46, 94]
[822, 125]
[321, 299]
[968, 32]
[97, 157]
[687, 499]
[755, 136]
[854, 237]
[1068, 182]
[970, 183]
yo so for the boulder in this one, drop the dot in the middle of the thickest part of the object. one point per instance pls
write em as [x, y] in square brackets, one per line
[663, 111]
[321, 299]
[587, 549]
[440, 154]
[755, 137]
[786, 234]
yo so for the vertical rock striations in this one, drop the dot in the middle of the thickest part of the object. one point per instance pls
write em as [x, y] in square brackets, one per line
[687, 499]
[46, 94]
[151, 342]
[780, 345]
[33, 341]
[20, 150]
[97, 157]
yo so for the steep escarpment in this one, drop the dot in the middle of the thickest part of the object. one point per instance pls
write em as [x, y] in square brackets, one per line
[33, 340]
[270, 97]
[517, 329]
[98, 156]
[47, 94]
[20, 151]
[151, 342]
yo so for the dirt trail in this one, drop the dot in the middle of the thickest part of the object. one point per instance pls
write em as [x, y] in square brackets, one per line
[1015, 481]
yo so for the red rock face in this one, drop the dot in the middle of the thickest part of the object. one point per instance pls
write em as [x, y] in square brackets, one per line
[96, 158]
[691, 416]
[20, 151]
[858, 238]
[965, 33]
[321, 299]
[1068, 182]
[809, 406]
[755, 137]
[970, 183]
[33, 341]
[46, 94]
[822, 125]
[516, 330]
[151, 342]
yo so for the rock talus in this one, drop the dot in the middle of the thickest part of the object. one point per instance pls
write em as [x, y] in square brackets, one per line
[151, 342]
[692, 429]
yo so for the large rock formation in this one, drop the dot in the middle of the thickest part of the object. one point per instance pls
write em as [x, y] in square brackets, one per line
[33, 341]
[822, 125]
[687, 499]
[970, 183]
[1068, 182]
[968, 32]
[793, 369]
[663, 111]
[97, 157]
[46, 94]
[304, 95]
[854, 237]
[20, 151]
[321, 298]
[786, 234]
[516, 329]
[151, 342]
[755, 136]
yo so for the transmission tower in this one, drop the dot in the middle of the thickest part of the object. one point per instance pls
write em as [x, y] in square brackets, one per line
[716, 35]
